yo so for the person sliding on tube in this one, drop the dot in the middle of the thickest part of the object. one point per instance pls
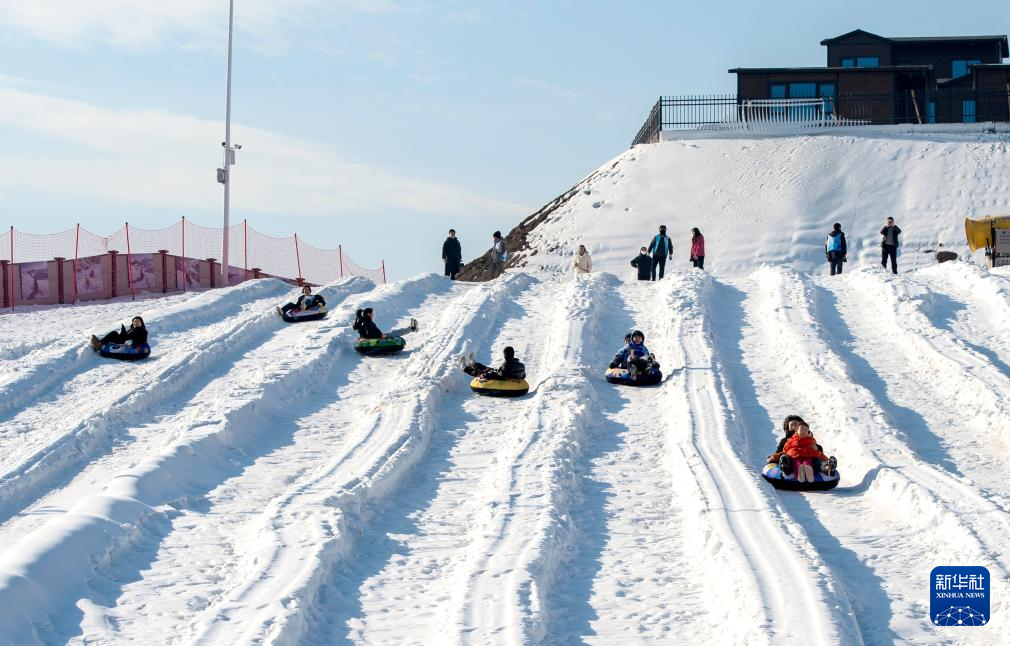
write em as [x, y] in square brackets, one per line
[306, 301]
[634, 356]
[135, 336]
[511, 369]
[367, 329]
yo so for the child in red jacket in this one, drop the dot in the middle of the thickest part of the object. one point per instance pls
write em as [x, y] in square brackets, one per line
[802, 448]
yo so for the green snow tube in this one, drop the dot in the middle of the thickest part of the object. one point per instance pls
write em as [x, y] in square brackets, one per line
[372, 347]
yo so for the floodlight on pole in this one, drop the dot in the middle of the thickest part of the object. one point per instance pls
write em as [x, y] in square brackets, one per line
[224, 174]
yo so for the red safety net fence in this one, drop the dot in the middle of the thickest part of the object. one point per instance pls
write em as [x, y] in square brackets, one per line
[76, 264]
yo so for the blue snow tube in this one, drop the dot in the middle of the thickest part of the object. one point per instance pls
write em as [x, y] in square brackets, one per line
[777, 479]
[650, 377]
[125, 352]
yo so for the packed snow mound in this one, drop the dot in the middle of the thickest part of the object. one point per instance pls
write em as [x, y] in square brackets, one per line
[773, 200]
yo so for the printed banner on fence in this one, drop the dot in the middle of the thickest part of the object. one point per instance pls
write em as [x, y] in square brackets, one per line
[34, 280]
[187, 273]
[89, 275]
[142, 272]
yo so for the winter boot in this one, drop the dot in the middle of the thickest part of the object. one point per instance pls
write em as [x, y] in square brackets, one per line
[279, 312]
[829, 466]
[786, 465]
[470, 360]
[96, 343]
[461, 360]
[413, 325]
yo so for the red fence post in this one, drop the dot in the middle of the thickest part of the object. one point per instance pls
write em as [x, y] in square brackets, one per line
[245, 248]
[129, 265]
[112, 258]
[164, 270]
[3, 279]
[184, 277]
[12, 267]
[298, 259]
[59, 279]
[77, 248]
[340, 250]
[383, 272]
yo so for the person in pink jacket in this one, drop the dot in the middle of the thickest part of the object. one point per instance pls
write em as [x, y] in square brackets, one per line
[697, 249]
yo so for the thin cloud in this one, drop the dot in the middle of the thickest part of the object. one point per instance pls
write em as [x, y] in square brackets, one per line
[167, 160]
[546, 88]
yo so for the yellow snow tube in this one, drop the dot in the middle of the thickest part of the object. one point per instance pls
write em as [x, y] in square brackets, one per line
[500, 387]
[979, 232]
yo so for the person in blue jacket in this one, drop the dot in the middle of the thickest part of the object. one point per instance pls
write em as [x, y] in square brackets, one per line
[661, 248]
[634, 356]
[836, 249]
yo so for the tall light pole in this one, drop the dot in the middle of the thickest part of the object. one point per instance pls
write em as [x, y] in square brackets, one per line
[224, 174]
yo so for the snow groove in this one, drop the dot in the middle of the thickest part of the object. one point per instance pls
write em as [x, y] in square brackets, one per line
[897, 484]
[347, 497]
[776, 587]
[134, 503]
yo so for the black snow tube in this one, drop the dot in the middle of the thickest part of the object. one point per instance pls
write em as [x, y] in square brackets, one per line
[650, 377]
[500, 387]
[125, 352]
[371, 347]
[775, 477]
[298, 316]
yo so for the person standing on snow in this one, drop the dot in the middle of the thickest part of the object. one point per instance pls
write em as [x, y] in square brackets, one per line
[583, 263]
[643, 263]
[661, 248]
[452, 255]
[889, 244]
[498, 254]
[835, 249]
[697, 249]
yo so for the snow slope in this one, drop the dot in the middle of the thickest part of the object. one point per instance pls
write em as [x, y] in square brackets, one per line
[255, 482]
[773, 200]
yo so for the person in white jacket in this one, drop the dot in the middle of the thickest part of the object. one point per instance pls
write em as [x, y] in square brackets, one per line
[583, 263]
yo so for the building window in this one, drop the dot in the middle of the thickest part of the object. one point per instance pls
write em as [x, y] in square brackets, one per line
[968, 111]
[861, 61]
[960, 68]
[930, 111]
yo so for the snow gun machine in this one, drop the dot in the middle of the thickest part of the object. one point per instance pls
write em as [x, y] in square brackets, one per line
[991, 233]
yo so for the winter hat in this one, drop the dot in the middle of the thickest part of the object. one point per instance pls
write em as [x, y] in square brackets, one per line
[510, 353]
[637, 333]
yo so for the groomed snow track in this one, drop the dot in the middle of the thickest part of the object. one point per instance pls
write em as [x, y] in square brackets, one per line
[260, 483]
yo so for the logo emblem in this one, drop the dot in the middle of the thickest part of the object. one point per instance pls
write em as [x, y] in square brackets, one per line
[959, 596]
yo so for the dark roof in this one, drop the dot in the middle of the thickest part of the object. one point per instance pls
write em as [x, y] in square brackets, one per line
[907, 40]
[881, 68]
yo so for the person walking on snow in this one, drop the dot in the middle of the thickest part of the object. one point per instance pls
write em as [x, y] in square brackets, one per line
[583, 263]
[697, 249]
[889, 244]
[661, 248]
[643, 263]
[452, 255]
[835, 249]
[498, 254]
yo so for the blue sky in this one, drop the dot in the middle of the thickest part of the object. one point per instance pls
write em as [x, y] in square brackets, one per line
[374, 124]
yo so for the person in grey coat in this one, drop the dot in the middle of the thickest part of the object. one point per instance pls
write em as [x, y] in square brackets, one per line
[498, 254]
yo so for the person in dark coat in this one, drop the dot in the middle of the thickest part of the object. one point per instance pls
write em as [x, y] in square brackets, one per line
[367, 329]
[452, 255]
[836, 249]
[511, 369]
[889, 244]
[306, 300]
[643, 263]
[661, 248]
[135, 336]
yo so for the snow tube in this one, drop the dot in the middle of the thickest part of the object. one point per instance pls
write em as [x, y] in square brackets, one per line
[125, 352]
[297, 316]
[500, 387]
[650, 377]
[821, 482]
[389, 345]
